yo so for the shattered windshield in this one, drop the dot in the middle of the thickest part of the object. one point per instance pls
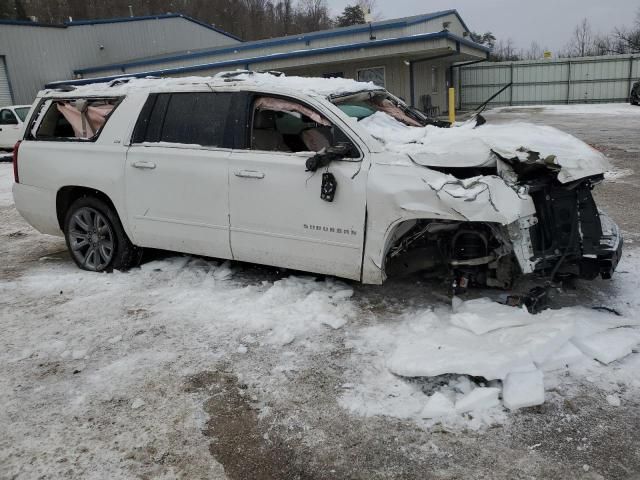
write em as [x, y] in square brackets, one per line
[365, 104]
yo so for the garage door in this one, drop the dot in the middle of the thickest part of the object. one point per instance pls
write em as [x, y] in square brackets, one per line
[5, 92]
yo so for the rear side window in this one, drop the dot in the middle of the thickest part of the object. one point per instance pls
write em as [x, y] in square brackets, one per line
[199, 118]
[79, 119]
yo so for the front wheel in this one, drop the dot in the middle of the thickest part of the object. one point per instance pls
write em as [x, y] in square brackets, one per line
[95, 237]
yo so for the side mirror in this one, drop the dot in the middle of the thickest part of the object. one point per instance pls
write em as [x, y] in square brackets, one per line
[327, 155]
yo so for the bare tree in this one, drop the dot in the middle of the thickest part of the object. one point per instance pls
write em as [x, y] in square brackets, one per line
[504, 51]
[370, 7]
[582, 41]
[627, 40]
[535, 52]
[313, 15]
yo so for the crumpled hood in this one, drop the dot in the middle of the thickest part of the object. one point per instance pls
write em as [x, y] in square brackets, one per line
[466, 145]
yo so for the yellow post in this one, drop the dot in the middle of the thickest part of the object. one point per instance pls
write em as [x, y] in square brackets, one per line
[452, 105]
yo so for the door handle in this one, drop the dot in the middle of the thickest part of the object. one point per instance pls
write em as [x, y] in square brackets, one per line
[144, 165]
[249, 174]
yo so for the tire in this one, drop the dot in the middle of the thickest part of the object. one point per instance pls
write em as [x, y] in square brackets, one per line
[95, 238]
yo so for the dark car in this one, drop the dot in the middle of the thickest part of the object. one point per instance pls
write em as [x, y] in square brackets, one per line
[635, 94]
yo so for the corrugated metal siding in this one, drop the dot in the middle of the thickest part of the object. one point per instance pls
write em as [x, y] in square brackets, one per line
[577, 80]
[5, 89]
[38, 55]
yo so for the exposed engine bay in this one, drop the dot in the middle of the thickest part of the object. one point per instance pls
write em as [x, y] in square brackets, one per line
[567, 238]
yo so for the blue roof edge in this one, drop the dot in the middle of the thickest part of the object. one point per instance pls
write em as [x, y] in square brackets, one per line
[74, 23]
[272, 42]
[246, 62]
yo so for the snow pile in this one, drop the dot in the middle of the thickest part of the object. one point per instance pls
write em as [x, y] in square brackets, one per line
[457, 364]
[466, 145]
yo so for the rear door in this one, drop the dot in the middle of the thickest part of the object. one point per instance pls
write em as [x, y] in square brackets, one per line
[176, 174]
[277, 215]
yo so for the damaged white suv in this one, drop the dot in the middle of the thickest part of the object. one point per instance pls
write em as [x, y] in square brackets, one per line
[329, 176]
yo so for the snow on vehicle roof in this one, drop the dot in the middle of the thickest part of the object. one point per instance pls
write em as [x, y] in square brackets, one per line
[323, 87]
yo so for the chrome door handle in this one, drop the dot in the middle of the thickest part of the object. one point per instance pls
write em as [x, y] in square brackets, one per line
[144, 165]
[249, 174]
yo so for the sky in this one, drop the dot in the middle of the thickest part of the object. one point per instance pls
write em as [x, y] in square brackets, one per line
[548, 22]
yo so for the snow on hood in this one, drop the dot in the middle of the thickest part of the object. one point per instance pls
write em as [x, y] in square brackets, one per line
[466, 145]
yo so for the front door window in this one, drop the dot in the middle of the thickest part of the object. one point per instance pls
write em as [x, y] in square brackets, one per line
[281, 125]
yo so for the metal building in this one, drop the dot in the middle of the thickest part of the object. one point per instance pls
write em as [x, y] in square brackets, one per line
[33, 54]
[412, 57]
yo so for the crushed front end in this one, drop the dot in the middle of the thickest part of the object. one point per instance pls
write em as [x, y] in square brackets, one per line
[556, 232]
[572, 238]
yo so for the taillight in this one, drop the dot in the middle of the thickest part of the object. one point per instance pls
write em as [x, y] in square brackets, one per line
[15, 161]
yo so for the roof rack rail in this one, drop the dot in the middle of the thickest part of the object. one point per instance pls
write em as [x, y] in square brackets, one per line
[120, 81]
[65, 88]
[231, 76]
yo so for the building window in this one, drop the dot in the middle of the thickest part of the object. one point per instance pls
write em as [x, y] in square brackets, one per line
[375, 75]
[333, 75]
[434, 79]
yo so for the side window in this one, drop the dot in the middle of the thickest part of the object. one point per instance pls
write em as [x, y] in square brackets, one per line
[73, 119]
[7, 117]
[197, 118]
[285, 125]
[149, 124]
[375, 75]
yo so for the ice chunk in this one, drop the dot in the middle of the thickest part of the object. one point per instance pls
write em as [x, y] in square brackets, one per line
[492, 356]
[463, 385]
[137, 403]
[438, 405]
[281, 337]
[483, 315]
[613, 400]
[568, 354]
[610, 345]
[480, 398]
[343, 294]
[523, 389]
[332, 321]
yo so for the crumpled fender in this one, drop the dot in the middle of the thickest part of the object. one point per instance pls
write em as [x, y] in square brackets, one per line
[399, 190]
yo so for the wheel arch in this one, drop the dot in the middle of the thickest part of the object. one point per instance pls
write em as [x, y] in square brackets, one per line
[70, 193]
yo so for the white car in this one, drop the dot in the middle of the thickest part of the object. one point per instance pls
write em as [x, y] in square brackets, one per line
[329, 176]
[12, 120]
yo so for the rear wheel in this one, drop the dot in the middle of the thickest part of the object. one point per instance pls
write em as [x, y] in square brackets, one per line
[95, 237]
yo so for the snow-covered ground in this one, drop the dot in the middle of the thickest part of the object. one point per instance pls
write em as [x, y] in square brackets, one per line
[595, 109]
[6, 182]
[151, 373]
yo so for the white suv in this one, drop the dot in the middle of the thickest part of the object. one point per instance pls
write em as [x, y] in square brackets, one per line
[330, 176]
